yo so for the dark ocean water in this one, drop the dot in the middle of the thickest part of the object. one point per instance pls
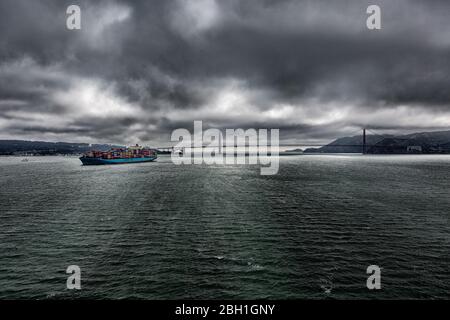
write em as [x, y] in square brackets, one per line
[160, 231]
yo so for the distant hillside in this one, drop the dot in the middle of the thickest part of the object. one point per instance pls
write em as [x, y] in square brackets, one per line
[11, 147]
[346, 145]
[422, 142]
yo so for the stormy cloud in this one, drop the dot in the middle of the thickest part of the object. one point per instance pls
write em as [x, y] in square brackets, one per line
[139, 69]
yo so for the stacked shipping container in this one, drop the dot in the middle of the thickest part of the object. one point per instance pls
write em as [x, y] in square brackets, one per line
[121, 153]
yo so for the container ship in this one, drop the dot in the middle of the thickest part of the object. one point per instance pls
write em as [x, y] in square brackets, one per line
[132, 154]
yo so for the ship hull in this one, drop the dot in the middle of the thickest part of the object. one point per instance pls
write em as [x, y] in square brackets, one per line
[100, 161]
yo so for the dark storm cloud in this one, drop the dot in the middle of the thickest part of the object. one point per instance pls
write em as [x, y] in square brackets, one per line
[139, 69]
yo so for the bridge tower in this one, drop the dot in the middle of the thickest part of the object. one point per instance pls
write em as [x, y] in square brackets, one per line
[364, 141]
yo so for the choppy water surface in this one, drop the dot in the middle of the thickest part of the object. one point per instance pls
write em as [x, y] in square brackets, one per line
[160, 231]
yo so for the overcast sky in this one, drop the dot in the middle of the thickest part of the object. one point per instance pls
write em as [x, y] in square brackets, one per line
[139, 69]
